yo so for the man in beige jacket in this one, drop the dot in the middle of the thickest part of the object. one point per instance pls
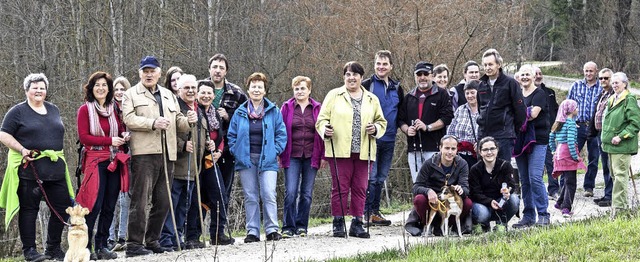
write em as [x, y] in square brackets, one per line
[149, 111]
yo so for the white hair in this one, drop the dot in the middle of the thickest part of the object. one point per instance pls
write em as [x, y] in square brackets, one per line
[34, 78]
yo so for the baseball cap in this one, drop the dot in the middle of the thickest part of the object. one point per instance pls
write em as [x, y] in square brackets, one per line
[149, 61]
[423, 66]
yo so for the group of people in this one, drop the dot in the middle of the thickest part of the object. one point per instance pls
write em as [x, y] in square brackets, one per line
[177, 148]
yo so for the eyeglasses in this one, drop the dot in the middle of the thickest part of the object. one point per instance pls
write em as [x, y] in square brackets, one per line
[604, 78]
[422, 73]
[492, 149]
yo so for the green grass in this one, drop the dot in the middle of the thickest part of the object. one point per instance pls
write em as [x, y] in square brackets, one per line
[594, 239]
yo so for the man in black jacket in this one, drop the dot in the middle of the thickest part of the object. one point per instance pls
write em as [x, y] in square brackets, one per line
[390, 95]
[471, 71]
[423, 115]
[501, 105]
[553, 186]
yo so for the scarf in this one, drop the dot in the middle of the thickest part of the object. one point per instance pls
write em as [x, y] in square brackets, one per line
[256, 113]
[212, 117]
[566, 107]
[95, 111]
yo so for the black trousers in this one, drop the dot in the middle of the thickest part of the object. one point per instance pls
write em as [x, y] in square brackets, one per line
[30, 195]
[105, 205]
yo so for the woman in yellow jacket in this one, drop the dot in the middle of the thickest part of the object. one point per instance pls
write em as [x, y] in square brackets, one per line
[349, 120]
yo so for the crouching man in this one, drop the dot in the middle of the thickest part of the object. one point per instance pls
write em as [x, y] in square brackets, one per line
[444, 168]
[491, 182]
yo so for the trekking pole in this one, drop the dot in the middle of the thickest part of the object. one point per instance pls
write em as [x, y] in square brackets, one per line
[420, 144]
[335, 164]
[415, 152]
[199, 206]
[215, 169]
[368, 177]
[166, 177]
[635, 191]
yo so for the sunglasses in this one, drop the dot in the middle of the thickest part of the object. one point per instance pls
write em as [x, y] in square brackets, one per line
[603, 78]
[422, 73]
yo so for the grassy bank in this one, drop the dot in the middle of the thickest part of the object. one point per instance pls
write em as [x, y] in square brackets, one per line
[594, 239]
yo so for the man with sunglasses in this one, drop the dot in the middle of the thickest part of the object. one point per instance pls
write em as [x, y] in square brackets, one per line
[501, 105]
[423, 115]
[595, 127]
[585, 92]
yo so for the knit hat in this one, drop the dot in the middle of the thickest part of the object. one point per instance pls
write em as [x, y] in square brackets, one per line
[567, 107]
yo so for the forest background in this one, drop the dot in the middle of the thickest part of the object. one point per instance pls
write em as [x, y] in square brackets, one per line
[69, 39]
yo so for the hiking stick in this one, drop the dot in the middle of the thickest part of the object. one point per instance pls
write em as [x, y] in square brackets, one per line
[166, 178]
[335, 164]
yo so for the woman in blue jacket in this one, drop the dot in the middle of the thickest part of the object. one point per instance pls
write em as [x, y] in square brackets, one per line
[257, 135]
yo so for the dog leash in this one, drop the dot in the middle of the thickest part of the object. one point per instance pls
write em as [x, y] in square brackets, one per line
[440, 206]
[33, 154]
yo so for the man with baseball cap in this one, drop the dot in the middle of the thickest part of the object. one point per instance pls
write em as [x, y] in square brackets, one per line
[423, 115]
[152, 113]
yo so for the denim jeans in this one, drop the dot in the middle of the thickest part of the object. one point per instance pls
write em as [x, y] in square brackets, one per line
[299, 177]
[593, 151]
[534, 193]
[506, 148]
[379, 173]
[553, 184]
[608, 181]
[180, 195]
[482, 214]
[104, 206]
[123, 202]
[259, 186]
[416, 160]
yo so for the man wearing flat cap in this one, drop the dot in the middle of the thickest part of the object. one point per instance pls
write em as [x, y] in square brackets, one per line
[152, 114]
[423, 115]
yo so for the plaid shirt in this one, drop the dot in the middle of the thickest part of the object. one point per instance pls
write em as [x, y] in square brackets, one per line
[602, 104]
[462, 125]
[587, 98]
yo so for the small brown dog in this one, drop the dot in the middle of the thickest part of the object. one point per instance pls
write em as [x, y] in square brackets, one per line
[449, 204]
[78, 236]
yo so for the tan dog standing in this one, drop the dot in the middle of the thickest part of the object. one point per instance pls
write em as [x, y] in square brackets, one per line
[449, 204]
[78, 236]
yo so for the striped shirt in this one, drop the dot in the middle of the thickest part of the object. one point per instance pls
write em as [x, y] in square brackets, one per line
[463, 126]
[568, 134]
[587, 98]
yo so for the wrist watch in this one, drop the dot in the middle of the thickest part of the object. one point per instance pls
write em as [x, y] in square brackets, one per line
[429, 128]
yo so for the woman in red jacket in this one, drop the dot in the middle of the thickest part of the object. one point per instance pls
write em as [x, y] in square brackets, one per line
[105, 164]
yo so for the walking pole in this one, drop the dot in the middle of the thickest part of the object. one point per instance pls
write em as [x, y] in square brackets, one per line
[215, 169]
[635, 191]
[415, 152]
[335, 164]
[369, 176]
[420, 144]
[195, 162]
[166, 177]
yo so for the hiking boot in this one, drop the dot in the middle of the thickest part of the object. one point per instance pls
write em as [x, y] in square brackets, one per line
[605, 203]
[137, 250]
[31, 254]
[54, 253]
[274, 236]
[338, 227]
[357, 230]
[251, 239]
[111, 244]
[120, 245]
[523, 223]
[377, 219]
[301, 232]
[159, 249]
[588, 193]
[193, 244]
[287, 234]
[596, 200]
[566, 213]
[543, 221]
[105, 254]
[93, 257]
[223, 240]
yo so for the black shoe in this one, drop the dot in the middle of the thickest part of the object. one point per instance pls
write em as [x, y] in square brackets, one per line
[93, 257]
[193, 244]
[251, 239]
[120, 245]
[105, 254]
[223, 240]
[338, 227]
[357, 230]
[597, 200]
[136, 250]
[31, 254]
[111, 244]
[274, 236]
[605, 203]
[523, 224]
[159, 249]
[54, 253]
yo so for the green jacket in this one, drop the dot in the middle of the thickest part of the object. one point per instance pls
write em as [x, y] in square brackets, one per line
[621, 118]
